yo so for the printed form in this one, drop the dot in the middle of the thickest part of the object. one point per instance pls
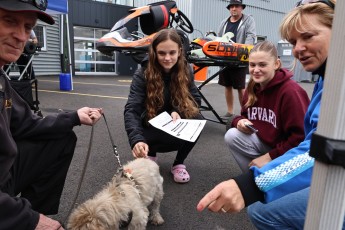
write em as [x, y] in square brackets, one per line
[186, 129]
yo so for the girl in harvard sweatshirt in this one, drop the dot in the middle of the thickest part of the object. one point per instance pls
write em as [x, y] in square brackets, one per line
[274, 104]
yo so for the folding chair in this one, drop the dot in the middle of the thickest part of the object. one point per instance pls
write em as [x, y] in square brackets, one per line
[25, 83]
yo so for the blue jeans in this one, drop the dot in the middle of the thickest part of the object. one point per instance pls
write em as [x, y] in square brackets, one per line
[288, 212]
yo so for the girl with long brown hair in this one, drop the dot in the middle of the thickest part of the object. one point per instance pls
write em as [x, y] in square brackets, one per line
[166, 84]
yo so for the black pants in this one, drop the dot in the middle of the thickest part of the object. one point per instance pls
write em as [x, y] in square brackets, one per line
[159, 141]
[40, 170]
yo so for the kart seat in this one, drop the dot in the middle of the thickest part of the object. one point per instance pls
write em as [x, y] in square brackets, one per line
[123, 32]
[157, 19]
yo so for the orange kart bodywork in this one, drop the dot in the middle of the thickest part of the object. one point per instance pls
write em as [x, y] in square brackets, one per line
[108, 44]
[119, 38]
[207, 51]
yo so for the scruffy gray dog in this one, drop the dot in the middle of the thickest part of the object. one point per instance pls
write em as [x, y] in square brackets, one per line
[137, 193]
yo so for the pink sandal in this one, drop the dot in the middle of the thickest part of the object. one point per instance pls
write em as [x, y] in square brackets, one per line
[180, 173]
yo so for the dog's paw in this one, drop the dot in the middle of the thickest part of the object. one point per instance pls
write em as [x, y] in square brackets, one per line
[156, 219]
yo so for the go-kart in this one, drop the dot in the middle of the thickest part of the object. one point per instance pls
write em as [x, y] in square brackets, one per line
[152, 17]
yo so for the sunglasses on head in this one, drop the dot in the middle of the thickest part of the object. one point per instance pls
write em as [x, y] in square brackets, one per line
[304, 2]
[40, 4]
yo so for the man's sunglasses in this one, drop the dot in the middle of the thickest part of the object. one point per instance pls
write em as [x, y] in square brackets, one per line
[304, 2]
[40, 4]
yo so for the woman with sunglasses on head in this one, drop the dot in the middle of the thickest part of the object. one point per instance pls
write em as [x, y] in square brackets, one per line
[282, 185]
[165, 84]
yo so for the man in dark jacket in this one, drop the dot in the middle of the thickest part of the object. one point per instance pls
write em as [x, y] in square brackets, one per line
[35, 152]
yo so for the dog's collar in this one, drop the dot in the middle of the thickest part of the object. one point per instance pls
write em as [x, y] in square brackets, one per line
[127, 173]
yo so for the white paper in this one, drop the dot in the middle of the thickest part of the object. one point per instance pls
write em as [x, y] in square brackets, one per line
[186, 129]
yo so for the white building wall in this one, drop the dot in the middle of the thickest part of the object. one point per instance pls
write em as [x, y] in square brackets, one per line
[47, 62]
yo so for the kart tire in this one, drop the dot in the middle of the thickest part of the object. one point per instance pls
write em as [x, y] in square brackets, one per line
[185, 41]
[139, 57]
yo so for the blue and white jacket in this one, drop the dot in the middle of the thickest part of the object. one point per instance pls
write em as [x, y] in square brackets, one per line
[288, 173]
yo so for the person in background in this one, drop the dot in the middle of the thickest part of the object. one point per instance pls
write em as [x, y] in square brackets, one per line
[35, 152]
[274, 104]
[282, 185]
[24, 59]
[166, 84]
[244, 30]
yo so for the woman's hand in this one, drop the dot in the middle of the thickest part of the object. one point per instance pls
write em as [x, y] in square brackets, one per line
[140, 150]
[225, 197]
[261, 161]
[175, 116]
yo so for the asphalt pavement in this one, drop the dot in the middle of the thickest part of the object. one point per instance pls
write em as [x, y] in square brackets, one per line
[208, 164]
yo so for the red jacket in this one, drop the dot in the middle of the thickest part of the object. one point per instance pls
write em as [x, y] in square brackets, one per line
[278, 113]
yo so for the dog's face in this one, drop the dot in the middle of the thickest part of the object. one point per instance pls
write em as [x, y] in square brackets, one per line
[87, 217]
[98, 213]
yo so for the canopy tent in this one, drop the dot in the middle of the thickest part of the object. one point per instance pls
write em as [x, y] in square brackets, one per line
[57, 7]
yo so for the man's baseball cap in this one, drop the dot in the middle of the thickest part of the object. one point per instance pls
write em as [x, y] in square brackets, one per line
[236, 2]
[35, 6]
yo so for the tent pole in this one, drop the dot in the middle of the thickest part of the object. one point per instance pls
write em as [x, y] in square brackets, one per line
[62, 42]
[69, 50]
[326, 206]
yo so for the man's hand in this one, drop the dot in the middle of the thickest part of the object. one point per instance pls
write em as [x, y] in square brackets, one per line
[89, 116]
[45, 223]
[140, 149]
[225, 197]
[261, 161]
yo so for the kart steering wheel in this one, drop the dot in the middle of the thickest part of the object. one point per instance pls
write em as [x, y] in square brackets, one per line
[183, 22]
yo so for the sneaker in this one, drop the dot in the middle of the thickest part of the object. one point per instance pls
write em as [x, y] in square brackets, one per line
[227, 115]
[153, 158]
[180, 173]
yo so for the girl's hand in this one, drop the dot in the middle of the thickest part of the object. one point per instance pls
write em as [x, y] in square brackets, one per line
[140, 150]
[175, 116]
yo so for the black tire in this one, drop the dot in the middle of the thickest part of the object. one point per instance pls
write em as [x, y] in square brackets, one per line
[185, 41]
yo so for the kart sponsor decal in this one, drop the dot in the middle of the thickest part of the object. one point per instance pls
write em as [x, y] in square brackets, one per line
[223, 50]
